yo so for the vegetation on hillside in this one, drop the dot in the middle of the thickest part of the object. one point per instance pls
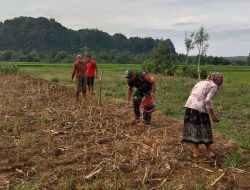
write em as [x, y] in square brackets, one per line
[40, 39]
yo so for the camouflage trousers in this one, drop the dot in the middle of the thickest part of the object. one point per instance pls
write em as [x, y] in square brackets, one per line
[138, 96]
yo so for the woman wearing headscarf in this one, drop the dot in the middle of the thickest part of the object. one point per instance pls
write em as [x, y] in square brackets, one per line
[197, 126]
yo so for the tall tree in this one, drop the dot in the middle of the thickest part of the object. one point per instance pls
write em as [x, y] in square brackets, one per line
[189, 43]
[201, 41]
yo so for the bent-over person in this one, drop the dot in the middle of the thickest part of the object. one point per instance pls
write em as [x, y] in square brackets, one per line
[197, 126]
[145, 87]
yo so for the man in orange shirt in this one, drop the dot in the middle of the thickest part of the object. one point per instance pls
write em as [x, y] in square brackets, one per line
[80, 69]
[92, 73]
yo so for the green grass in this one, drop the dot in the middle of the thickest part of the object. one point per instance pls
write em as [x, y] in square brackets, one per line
[101, 66]
[8, 68]
[231, 102]
[232, 159]
[28, 139]
[36, 185]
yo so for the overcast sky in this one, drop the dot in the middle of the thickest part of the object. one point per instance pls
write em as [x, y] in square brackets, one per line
[226, 21]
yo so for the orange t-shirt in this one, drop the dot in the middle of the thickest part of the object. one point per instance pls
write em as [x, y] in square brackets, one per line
[91, 66]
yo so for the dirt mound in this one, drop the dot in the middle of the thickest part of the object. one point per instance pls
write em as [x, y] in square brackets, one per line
[49, 141]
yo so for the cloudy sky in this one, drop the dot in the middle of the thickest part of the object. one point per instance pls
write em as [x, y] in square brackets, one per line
[226, 21]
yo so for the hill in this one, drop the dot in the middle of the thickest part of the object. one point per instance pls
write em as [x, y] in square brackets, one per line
[41, 34]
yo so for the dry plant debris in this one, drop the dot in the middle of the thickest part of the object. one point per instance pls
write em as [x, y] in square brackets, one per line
[46, 136]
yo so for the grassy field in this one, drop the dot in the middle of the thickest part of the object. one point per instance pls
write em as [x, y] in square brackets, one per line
[232, 100]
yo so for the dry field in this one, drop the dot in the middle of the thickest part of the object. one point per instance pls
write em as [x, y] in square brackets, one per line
[48, 141]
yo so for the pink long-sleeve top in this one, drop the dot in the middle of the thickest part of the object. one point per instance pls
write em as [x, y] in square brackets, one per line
[201, 96]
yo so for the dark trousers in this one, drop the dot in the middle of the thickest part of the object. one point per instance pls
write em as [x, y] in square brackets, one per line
[138, 96]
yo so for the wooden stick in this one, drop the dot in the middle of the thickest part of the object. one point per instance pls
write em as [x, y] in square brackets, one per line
[162, 183]
[239, 170]
[142, 144]
[93, 173]
[217, 179]
[145, 174]
[100, 90]
[195, 165]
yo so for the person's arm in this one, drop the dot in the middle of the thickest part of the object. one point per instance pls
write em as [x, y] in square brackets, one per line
[152, 93]
[209, 105]
[214, 115]
[73, 73]
[129, 94]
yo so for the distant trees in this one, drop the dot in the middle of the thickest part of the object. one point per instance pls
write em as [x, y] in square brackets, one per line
[45, 40]
[42, 39]
[163, 59]
[41, 34]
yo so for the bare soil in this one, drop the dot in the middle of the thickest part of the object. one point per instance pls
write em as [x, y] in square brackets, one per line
[47, 138]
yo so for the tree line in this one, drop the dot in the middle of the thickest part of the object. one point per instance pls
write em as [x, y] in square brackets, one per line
[41, 39]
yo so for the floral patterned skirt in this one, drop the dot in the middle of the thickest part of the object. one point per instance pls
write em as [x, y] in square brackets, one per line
[197, 127]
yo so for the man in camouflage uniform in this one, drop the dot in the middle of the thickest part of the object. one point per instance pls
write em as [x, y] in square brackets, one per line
[145, 87]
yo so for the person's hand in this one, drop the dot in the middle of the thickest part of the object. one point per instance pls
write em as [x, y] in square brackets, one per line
[152, 94]
[127, 103]
[215, 117]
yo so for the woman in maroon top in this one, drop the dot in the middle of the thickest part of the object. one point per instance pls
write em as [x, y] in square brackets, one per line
[79, 71]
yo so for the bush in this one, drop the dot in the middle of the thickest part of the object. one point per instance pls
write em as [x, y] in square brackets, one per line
[8, 68]
[171, 70]
[153, 67]
[54, 80]
[191, 71]
[148, 65]
[204, 74]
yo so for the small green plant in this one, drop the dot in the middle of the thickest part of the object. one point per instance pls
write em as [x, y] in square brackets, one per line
[28, 186]
[171, 187]
[68, 184]
[54, 80]
[28, 139]
[8, 68]
[39, 119]
[9, 127]
[199, 186]
[232, 159]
